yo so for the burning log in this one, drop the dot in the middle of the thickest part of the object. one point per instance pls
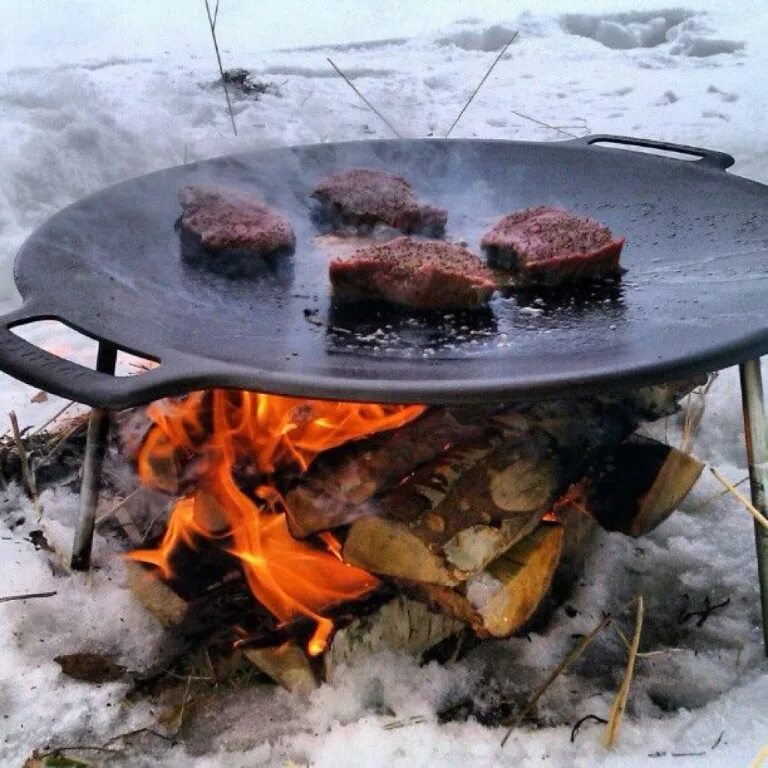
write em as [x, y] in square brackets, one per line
[640, 486]
[336, 489]
[399, 625]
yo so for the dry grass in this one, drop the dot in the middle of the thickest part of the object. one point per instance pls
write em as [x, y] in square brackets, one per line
[620, 702]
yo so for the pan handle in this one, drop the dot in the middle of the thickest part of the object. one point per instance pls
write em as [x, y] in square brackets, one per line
[709, 157]
[33, 365]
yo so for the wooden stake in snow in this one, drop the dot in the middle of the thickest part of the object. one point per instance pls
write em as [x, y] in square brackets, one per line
[212, 17]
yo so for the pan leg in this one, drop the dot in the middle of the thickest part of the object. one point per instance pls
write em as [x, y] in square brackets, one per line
[756, 435]
[95, 448]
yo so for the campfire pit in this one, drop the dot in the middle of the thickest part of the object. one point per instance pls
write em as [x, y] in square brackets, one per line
[695, 260]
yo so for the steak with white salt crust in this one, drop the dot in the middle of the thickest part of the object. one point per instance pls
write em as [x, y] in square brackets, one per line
[230, 220]
[422, 274]
[364, 197]
[552, 246]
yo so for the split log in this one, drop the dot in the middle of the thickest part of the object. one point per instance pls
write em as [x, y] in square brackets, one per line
[337, 487]
[639, 487]
[401, 625]
[453, 517]
[288, 665]
[498, 600]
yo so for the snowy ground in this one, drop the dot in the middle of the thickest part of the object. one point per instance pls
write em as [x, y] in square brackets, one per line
[91, 93]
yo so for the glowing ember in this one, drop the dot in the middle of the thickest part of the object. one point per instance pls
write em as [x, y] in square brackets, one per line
[221, 428]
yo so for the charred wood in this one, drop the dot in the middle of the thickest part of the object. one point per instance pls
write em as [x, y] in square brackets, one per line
[640, 485]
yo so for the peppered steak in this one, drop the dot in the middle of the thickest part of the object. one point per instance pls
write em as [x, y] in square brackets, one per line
[552, 246]
[229, 220]
[423, 274]
[363, 197]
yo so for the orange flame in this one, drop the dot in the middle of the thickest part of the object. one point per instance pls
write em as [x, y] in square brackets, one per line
[219, 428]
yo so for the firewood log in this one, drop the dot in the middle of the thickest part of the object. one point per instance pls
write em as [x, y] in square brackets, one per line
[401, 624]
[498, 600]
[453, 517]
[640, 485]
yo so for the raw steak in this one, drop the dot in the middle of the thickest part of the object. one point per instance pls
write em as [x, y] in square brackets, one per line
[230, 220]
[551, 246]
[363, 197]
[424, 274]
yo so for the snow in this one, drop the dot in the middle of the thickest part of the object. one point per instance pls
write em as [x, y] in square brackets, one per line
[95, 92]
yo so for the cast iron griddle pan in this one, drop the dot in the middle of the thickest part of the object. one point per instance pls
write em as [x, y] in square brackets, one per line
[693, 299]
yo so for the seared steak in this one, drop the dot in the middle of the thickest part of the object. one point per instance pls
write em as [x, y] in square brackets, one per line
[424, 274]
[230, 220]
[363, 197]
[551, 246]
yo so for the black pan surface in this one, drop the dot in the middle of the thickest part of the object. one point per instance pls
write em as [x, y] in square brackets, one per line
[693, 299]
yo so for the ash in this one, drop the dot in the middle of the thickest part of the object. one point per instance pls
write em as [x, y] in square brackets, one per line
[137, 99]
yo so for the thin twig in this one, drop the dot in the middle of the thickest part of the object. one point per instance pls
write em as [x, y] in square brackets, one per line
[746, 503]
[26, 472]
[542, 123]
[577, 726]
[58, 445]
[212, 24]
[367, 103]
[118, 506]
[480, 84]
[709, 499]
[574, 655]
[620, 702]
[644, 654]
[183, 707]
[28, 596]
[53, 418]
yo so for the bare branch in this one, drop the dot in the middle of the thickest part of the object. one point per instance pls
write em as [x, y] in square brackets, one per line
[367, 103]
[480, 84]
[28, 596]
[212, 23]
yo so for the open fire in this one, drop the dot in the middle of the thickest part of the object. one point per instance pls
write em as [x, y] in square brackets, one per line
[360, 526]
[225, 430]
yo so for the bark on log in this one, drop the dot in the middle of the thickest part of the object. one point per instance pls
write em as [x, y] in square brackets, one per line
[288, 665]
[402, 625]
[640, 486]
[453, 517]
